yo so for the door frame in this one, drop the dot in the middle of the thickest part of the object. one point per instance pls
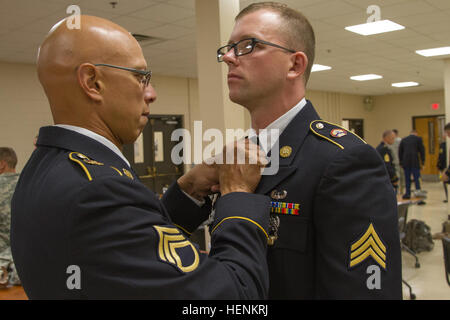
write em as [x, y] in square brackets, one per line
[429, 177]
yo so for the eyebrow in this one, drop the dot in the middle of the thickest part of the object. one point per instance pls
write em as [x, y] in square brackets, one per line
[245, 36]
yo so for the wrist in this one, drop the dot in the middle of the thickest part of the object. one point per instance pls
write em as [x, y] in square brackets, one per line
[185, 185]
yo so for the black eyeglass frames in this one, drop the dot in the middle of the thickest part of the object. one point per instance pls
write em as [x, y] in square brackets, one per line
[147, 75]
[245, 46]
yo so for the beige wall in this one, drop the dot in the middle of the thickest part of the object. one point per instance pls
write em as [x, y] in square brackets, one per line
[24, 107]
[397, 110]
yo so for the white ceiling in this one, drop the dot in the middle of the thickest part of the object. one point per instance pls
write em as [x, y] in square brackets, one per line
[24, 23]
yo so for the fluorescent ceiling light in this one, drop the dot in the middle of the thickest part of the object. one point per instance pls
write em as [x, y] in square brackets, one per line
[405, 84]
[319, 67]
[365, 77]
[434, 52]
[376, 27]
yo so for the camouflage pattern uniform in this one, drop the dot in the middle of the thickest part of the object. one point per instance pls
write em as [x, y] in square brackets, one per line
[8, 183]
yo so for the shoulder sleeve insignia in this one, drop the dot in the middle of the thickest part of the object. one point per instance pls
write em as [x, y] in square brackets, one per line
[176, 250]
[338, 133]
[332, 132]
[387, 158]
[369, 245]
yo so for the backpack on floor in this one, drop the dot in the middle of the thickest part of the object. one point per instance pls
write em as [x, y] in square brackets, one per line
[418, 236]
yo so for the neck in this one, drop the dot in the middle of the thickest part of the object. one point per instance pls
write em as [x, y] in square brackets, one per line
[95, 125]
[268, 111]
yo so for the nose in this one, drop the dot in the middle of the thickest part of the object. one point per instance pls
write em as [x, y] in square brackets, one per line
[230, 58]
[149, 94]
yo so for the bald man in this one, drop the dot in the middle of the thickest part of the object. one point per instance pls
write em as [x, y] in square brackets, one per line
[85, 227]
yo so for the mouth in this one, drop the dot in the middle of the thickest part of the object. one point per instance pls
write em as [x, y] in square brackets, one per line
[233, 76]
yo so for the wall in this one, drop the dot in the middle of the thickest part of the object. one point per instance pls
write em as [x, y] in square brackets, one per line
[397, 110]
[23, 109]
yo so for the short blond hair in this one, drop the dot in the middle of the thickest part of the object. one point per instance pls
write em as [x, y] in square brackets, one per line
[298, 32]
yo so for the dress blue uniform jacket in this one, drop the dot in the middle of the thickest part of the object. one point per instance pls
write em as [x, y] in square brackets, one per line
[338, 236]
[84, 227]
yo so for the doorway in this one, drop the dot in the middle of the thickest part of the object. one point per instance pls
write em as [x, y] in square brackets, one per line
[150, 155]
[428, 127]
[354, 125]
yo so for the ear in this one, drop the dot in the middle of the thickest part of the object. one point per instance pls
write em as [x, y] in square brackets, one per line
[89, 81]
[2, 166]
[299, 63]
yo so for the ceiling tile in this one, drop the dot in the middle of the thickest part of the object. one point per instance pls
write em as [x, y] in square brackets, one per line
[164, 13]
[440, 4]
[135, 25]
[366, 3]
[327, 9]
[121, 8]
[168, 31]
[403, 9]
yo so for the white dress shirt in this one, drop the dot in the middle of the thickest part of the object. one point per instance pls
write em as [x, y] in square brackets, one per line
[265, 136]
[97, 138]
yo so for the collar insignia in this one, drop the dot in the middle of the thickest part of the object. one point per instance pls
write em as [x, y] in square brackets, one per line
[285, 151]
[128, 173]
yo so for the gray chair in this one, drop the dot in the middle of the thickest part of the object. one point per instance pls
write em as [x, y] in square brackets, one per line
[446, 247]
[402, 217]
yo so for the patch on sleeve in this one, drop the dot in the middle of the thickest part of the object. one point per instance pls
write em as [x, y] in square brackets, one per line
[368, 245]
[176, 250]
[334, 133]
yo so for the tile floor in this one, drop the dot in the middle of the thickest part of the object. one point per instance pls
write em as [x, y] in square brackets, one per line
[428, 282]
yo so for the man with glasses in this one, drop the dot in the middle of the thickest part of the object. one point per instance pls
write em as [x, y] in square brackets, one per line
[84, 226]
[334, 220]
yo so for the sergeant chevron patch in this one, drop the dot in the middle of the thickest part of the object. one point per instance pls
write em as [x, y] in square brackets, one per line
[369, 245]
[175, 249]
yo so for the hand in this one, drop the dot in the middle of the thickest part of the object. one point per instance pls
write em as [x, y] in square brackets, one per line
[200, 181]
[244, 174]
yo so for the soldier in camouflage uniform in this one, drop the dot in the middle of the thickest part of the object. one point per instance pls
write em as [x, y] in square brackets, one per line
[8, 181]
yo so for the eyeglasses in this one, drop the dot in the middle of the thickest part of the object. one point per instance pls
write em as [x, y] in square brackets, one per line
[245, 46]
[146, 75]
